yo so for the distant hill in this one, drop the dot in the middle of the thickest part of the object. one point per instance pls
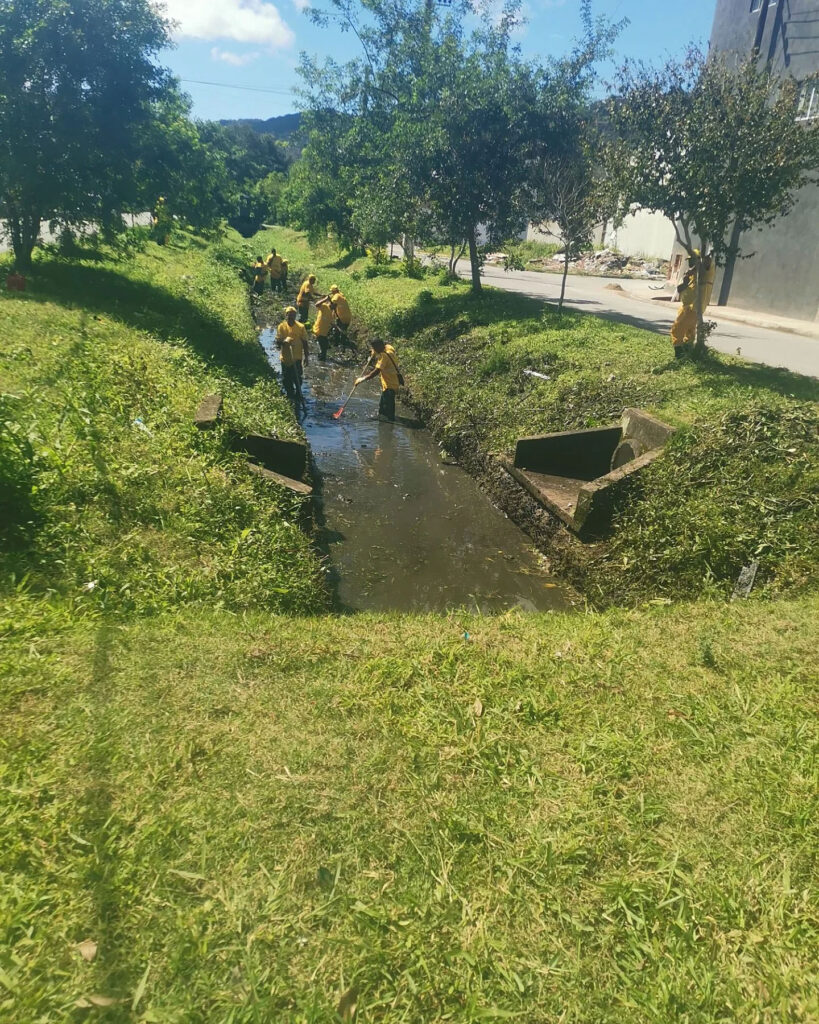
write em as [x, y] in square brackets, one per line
[282, 127]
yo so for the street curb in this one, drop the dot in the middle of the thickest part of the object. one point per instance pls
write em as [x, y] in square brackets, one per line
[809, 330]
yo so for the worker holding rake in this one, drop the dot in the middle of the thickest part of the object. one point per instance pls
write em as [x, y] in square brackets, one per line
[386, 367]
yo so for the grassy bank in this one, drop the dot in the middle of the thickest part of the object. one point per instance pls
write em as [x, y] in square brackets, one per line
[112, 500]
[740, 480]
[215, 812]
[594, 819]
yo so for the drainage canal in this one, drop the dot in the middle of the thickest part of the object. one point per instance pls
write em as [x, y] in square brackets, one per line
[403, 530]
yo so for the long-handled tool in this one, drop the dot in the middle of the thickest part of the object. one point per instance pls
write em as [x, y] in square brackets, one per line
[338, 412]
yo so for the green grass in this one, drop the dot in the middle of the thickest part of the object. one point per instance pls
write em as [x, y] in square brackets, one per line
[526, 250]
[112, 499]
[740, 480]
[589, 818]
[248, 816]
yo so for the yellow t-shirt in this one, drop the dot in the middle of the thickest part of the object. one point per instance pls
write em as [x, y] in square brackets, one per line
[292, 339]
[305, 293]
[324, 318]
[342, 308]
[259, 271]
[688, 294]
[274, 265]
[387, 366]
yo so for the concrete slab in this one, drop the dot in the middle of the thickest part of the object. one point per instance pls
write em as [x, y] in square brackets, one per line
[286, 457]
[209, 412]
[296, 486]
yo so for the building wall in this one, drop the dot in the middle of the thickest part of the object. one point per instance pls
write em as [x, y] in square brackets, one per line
[642, 233]
[781, 277]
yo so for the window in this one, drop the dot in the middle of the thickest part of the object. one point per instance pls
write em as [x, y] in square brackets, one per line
[807, 105]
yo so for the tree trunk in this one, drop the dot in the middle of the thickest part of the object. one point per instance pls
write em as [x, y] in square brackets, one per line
[699, 344]
[24, 229]
[563, 282]
[474, 262]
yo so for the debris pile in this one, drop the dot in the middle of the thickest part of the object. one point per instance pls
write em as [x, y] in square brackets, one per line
[604, 263]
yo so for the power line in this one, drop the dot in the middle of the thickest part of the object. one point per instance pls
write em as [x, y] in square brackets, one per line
[244, 88]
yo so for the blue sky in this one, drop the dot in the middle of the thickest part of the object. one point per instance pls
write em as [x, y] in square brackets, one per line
[254, 44]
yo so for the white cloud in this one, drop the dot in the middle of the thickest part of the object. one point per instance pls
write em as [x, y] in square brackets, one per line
[245, 21]
[238, 60]
[301, 5]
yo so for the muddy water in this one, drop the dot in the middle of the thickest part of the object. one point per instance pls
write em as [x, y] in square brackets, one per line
[403, 530]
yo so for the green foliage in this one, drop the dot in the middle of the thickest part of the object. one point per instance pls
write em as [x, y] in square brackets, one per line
[690, 531]
[315, 198]
[77, 85]
[713, 143]
[176, 162]
[436, 129]
[19, 471]
[742, 487]
[136, 510]
[560, 816]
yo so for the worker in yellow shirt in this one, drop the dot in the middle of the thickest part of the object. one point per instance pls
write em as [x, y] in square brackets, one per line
[386, 366]
[343, 316]
[274, 268]
[684, 328]
[322, 325]
[291, 339]
[259, 275]
[306, 293]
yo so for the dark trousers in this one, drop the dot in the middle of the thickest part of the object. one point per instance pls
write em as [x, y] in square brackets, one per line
[386, 407]
[304, 312]
[290, 381]
[322, 344]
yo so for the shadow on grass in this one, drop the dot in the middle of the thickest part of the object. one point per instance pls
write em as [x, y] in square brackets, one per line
[346, 260]
[721, 378]
[148, 307]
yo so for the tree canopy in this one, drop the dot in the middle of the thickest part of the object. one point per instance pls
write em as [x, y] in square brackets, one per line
[714, 145]
[77, 86]
[437, 127]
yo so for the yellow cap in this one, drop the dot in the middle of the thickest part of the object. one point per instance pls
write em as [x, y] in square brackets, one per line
[311, 278]
[334, 288]
[290, 309]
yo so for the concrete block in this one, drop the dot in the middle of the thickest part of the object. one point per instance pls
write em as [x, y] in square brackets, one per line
[286, 457]
[583, 476]
[648, 430]
[296, 486]
[581, 454]
[209, 412]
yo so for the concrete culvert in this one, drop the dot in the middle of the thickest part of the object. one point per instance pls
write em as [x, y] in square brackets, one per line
[627, 451]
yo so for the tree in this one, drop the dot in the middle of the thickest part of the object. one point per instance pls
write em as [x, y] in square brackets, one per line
[442, 123]
[712, 144]
[437, 117]
[76, 86]
[316, 196]
[574, 208]
[175, 162]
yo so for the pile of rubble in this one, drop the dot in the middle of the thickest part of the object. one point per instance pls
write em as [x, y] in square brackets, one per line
[604, 263]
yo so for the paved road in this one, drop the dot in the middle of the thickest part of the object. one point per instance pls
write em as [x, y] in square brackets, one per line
[49, 237]
[603, 297]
